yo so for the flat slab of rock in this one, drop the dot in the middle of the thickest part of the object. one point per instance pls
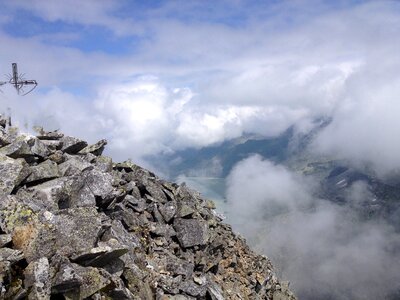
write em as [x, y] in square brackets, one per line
[99, 183]
[74, 166]
[44, 171]
[40, 149]
[191, 232]
[77, 230]
[17, 149]
[100, 256]
[72, 145]
[96, 149]
[11, 255]
[12, 173]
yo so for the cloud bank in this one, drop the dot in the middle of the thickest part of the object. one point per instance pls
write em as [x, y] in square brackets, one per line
[165, 76]
[327, 250]
[170, 76]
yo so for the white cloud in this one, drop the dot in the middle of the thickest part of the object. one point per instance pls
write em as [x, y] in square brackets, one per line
[256, 75]
[89, 12]
[366, 124]
[197, 77]
[327, 251]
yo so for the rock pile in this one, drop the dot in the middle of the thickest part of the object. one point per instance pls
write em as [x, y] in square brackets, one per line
[75, 225]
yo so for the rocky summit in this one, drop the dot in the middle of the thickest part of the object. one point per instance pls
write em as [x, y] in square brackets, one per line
[76, 225]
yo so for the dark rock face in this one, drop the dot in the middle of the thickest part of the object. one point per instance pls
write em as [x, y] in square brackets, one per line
[74, 225]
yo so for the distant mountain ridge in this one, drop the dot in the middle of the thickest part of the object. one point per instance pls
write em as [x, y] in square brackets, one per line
[291, 148]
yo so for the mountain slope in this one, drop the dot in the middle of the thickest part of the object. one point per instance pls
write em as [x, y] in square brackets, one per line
[75, 225]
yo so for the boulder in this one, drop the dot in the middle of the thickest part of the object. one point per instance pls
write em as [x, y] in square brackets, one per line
[40, 149]
[96, 149]
[93, 280]
[103, 254]
[37, 279]
[72, 145]
[10, 255]
[5, 239]
[191, 232]
[65, 278]
[19, 148]
[12, 173]
[74, 166]
[44, 171]
[104, 164]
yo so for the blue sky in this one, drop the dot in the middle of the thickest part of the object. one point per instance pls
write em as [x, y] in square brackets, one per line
[159, 76]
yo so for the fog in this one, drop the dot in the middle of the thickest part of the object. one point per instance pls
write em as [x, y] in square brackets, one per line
[178, 75]
[156, 77]
[326, 250]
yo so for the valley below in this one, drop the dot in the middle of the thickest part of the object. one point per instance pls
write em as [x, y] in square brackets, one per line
[330, 227]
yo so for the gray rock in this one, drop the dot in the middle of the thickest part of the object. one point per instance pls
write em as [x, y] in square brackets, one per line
[68, 232]
[11, 255]
[47, 135]
[164, 230]
[37, 279]
[104, 164]
[215, 292]
[44, 171]
[193, 289]
[12, 173]
[15, 213]
[3, 121]
[80, 193]
[185, 210]
[72, 145]
[4, 137]
[120, 291]
[168, 211]
[53, 145]
[66, 279]
[5, 276]
[96, 149]
[40, 149]
[18, 148]
[93, 280]
[74, 166]
[137, 204]
[36, 200]
[156, 191]
[49, 195]
[99, 183]
[101, 255]
[57, 157]
[191, 232]
[77, 230]
[5, 239]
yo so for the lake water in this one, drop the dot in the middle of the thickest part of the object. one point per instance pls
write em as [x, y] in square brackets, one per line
[213, 188]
